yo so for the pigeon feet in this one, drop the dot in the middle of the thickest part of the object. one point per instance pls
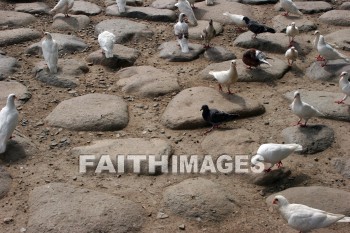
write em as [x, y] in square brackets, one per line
[319, 58]
[267, 170]
[285, 14]
[339, 102]
[279, 164]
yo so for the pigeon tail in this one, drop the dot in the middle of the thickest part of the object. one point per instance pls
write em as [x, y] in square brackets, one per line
[271, 30]
[266, 62]
[298, 147]
[345, 219]
[230, 117]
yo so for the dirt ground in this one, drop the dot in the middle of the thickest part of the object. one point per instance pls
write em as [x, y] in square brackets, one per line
[56, 165]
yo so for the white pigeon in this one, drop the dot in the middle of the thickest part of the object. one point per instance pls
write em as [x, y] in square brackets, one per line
[106, 40]
[184, 7]
[236, 20]
[226, 77]
[63, 6]
[328, 52]
[344, 85]
[290, 7]
[291, 55]
[304, 218]
[274, 154]
[291, 32]
[184, 44]
[315, 42]
[181, 27]
[209, 2]
[8, 121]
[303, 110]
[50, 51]
[121, 5]
[208, 34]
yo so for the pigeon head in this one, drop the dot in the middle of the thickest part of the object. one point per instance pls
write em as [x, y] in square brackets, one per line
[293, 24]
[280, 200]
[48, 35]
[344, 74]
[211, 22]
[233, 63]
[296, 94]
[256, 159]
[316, 32]
[11, 99]
[246, 19]
[182, 17]
[205, 108]
[321, 40]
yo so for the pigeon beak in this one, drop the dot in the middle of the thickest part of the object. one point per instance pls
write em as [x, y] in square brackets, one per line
[274, 201]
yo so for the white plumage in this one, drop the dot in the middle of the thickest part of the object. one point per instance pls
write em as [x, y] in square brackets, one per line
[303, 110]
[236, 19]
[344, 85]
[50, 52]
[291, 55]
[8, 121]
[184, 44]
[304, 218]
[121, 5]
[184, 7]
[181, 27]
[106, 40]
[226, 77]
[292, 31]
[63, 6]
[274, 153]
[317, 37]
[328, 52]
[290, 7]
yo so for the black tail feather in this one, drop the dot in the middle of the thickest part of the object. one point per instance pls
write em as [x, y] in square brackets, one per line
[271, 30]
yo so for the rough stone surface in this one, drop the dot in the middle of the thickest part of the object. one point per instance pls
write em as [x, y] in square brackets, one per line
[8, 66]
[19, 35]
[147, 81]
[329, 73]
[345, 6]
[164, 4]
[91, 112]
[196, 32]
[342, 165]
[336, 17]
[199, 198]
[85, 8]
[309, 7]
[171, 51]
[124, 30]
[64, 208]
[218, 54]
[126, 147]
[270, 178]
[5, 182]
[128, 2]
[33, 8]
[281, 22]
[328, 199]
[340, 38]
[15, 19]
[259, 2]
[67, 75]
[17, 88]
[72, 23]
[183, 111]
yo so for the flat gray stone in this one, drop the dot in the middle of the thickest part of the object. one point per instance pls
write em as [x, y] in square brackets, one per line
[258, 2]
[342, 165]
[71, 23]
[329, 73]
[309, 7]
[15, 19]
[164, 4]
[124, 30]
[324, 102]
[196, 32]
[91, 112]
[345, 6]
[64, 208]
[8, 66]
[264, 73]
[336, 17]
[171, 51]
[5, 182]
[33, 8]
[122, 57]
[145, 13]
[147, 81]
[19, 35]
[218, 54]
[281, 22]
[328, 199]
[85, 8]
[340, 38]
[66, 44]
[21, 91]
[199, 199]
[270, 178]
[183, 111]
[128, 2]
[126, 147]
[67, 75]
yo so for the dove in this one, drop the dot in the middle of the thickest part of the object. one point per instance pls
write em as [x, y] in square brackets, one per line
[208, 34]
[183, 42]
[290, 7]
[303, 110]
[121, 5]
[256, 27]
[184, 7]
[236, 20]
[291, 32]
[274, 154]
[181, 27]
[328, 52]
[226, 77]
[315, 42]
[344, 85]
[63, 6]
[8, 121]
[216, 117]
[304, 218]
[106, 40]
[254, 57]
[50, 52]
[291, 54]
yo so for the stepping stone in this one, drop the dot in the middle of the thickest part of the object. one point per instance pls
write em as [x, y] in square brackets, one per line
[270, 178]
[309, 7]
[8, 66]
[328, 199]
[313, 138]
[21, 91]
[281, 22]
[218, 54]
[16, 36]
[92, 112]
[336, 17]
[33, 8]
[5, 182]
[324, 102]
[171, 51]
[342, 165]
[85, 8]
[329, 73]
[15, 19]
[264, 73]
[345, 6]
[258, 2]
[196, 32]
[122, 57]
[67, 76]
[126, 147]
[199, 199]
[124, 30]
[128, 2]
[271, 42]
[147, 81]
[59, 207]
[340, 38]
[164, 4]
[71, 23]
[145, 13]
[183, 111]
[66, 44]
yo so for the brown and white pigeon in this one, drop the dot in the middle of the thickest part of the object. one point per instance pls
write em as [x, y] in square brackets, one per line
[208, 34]
[254, 57]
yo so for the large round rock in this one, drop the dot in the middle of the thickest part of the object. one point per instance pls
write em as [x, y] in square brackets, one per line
[15, 19]
[336, 17]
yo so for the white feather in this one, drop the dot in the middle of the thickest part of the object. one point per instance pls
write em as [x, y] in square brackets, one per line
[290, 7]
[226, 77]
[291, 54]
[236, 19]
[184, 7]
[303, 110]
[184, 44]
[63, 6]
[181, 26]
[106, 40]
[328, 52]
[292, 31]
[50, 52]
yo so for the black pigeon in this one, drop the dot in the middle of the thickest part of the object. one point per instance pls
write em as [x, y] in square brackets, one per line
[254, 57]
[256, 27]
[216, 117]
